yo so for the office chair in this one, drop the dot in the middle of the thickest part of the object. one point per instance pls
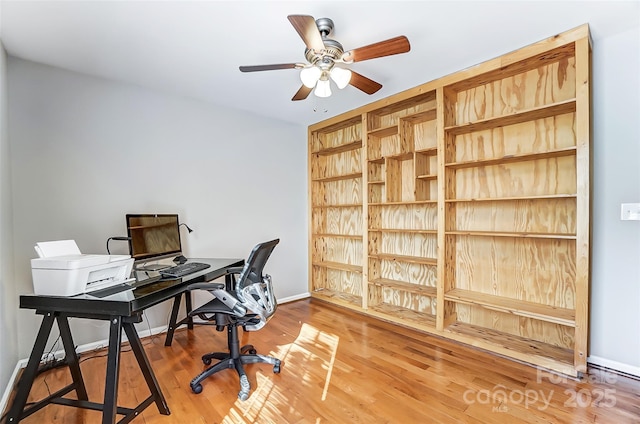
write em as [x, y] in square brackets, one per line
[249, 304]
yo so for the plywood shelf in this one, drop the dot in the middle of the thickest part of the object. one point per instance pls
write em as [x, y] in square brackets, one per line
[420, 101]
[339, 177]
[416, 202]
[403, 231]
[400, 156]
[350, 122]
[384, 132]
[517, 234]
[339, 266]
[431, 151]
[404, 286]
[427, 177]
[347, 236]
[569, 151]
[427, 115]
[541, 112]
[353, 145]
[345, 205]
[522, 308]
[338, 297]
[404, 258]
[522, 348]
[511, 199]
[403, 315]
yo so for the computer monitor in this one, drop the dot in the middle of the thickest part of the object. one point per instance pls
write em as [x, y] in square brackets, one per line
[153, 236]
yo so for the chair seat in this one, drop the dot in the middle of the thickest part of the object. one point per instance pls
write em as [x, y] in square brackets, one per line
[211, 307]
[218, 313]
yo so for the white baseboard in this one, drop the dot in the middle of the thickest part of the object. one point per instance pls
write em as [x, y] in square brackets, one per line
[9, 388]
[614, 365]
[294, 298]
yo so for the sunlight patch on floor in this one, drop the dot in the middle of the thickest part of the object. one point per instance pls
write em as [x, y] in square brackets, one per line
[307, 360]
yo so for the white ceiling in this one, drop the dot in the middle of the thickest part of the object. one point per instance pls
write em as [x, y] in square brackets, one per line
[194, 49]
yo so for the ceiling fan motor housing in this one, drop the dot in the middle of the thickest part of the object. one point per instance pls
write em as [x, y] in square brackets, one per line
[332, 51]
[325, 26]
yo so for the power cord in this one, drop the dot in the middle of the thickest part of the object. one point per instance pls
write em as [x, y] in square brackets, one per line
[45, 365]
[118, 238]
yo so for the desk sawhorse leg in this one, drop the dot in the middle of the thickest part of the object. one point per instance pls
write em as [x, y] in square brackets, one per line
[173, 321]
[109, 408]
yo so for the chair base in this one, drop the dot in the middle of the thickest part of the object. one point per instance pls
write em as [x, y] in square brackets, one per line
[234, 359]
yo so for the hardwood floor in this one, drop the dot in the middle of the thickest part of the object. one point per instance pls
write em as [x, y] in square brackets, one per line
[343, 367]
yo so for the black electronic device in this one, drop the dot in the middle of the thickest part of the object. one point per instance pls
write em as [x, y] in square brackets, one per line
[181, 270]
[153, 236]
[180, 259]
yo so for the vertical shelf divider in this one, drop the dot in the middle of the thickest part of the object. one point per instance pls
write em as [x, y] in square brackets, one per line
[365, 212]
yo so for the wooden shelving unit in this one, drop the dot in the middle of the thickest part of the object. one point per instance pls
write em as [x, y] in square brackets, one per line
[336, 211]
[402, 217]
[462, 207]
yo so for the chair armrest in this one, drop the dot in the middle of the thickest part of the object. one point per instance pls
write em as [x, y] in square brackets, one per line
[211, 285]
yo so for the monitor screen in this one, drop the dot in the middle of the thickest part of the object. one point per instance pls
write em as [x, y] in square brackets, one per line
[153, 236]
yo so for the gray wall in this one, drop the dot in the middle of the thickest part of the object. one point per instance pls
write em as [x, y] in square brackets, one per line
[8, 328]
[86, 151]
[615, 288]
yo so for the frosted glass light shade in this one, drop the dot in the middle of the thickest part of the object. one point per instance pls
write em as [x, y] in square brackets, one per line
[323, 88]
[341, 77]
[309, 76]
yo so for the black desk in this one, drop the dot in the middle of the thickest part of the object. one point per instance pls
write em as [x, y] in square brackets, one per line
[122, 310]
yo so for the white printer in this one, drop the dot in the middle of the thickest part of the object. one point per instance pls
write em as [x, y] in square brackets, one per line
[61, 270]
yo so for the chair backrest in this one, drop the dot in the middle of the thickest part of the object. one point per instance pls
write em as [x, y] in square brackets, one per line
[253, 288]
[254, 265]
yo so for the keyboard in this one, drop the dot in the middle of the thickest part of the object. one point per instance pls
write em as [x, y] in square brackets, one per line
[183, 269]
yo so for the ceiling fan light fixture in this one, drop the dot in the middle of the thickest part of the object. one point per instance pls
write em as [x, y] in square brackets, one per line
[310, 76]
[340, 76]
[323, 88]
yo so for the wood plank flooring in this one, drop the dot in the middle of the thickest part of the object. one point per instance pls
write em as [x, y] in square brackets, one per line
[343, 367]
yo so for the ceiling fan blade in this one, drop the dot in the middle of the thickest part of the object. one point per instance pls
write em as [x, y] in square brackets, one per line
[363, 83]
[308, 30]
[388, 47]
[302, 93]
[270, 67]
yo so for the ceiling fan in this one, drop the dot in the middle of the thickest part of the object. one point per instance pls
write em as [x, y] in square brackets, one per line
[323, 54]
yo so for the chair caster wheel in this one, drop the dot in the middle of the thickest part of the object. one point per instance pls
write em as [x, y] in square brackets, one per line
[206, 361]
[276, 369]
[197, 389]
[253, 351]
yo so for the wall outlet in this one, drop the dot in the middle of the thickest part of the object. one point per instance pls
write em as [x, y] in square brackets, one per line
[630, 212]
